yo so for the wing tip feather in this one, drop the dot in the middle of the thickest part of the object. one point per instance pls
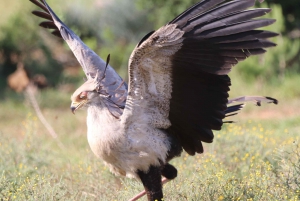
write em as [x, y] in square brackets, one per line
[273, 100]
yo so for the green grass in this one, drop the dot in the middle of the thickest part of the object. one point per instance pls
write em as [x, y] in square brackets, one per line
[257, 158]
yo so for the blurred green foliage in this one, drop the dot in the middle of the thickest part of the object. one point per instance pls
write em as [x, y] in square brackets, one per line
[248, 161]
[169, 9]
[278, 62]
[290, 9]
[161, 12]
[20, 41]
[273, 67]
[115, 27]
[111, 28]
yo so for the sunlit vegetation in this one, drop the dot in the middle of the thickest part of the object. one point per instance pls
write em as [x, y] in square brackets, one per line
[249, 160]
[257, 158]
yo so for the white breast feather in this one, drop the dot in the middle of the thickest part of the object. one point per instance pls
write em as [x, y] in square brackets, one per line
[125, 153]
[136, 141]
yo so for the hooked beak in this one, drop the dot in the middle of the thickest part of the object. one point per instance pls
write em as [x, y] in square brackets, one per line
[75, 106]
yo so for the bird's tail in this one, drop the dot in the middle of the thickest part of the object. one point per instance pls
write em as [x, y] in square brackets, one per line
[234, 109]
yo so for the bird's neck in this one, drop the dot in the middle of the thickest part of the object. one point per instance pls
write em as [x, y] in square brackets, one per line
[103, 130]
[99, 115]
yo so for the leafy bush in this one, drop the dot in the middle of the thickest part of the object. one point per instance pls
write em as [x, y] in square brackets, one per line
[274, 65]
[21, 41]
[247, 161]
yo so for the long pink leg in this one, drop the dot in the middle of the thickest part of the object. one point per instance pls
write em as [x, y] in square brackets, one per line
[141, 194]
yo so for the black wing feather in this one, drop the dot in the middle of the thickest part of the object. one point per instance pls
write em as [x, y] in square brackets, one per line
[218, 16]
[41, 5]
[217, 36]
[46, 15]
[232, 29]
[48, 25]
[244, 36]
[42, 14]
[196, 9]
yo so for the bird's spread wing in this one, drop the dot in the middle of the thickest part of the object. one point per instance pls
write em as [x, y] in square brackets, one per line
[112, 86]
[178, 74]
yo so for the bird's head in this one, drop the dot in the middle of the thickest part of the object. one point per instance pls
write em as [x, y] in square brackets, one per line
[89, 92]
[85, 94]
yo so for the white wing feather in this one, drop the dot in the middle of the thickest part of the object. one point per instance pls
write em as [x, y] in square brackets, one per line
[150, 79]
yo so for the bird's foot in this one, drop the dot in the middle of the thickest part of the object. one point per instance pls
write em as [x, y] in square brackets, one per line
[141, 194]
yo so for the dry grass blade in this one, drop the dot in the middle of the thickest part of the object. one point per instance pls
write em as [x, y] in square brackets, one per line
[30, 95]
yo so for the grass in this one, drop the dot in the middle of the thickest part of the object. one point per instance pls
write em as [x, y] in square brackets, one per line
[256, 159]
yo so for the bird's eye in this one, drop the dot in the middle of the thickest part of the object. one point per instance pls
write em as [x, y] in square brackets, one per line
[82, 95]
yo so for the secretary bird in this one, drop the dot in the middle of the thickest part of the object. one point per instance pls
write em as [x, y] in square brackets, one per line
[177, 92]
